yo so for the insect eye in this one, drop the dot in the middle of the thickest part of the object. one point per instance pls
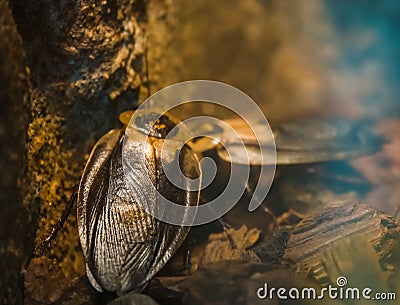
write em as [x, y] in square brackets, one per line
[154, 125]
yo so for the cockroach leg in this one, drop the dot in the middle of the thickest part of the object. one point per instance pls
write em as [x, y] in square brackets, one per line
[60, 222]
[187, 263]
[226, 226]
[249, 193]
[270, 213]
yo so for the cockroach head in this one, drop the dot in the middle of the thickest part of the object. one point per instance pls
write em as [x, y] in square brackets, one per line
[155, 124]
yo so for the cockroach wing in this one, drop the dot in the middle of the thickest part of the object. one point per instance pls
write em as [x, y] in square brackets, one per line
[167, 237]
[93, 184]
[123, 245]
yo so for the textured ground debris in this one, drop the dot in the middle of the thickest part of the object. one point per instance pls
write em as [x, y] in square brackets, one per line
[228, 282]
[133, 299]
[45, 283]
[344, 239]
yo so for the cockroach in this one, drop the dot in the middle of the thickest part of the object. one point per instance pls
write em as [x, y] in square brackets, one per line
[123, 246]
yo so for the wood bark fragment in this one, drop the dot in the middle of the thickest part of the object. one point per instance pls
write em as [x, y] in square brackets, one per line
[85, 62]
[272, 248]
[317, 233]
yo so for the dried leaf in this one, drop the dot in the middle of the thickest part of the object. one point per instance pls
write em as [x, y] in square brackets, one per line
[219, 247]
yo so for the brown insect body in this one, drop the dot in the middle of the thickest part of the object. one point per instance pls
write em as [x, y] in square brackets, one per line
[124, 247]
